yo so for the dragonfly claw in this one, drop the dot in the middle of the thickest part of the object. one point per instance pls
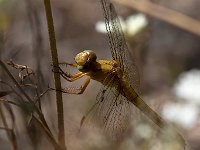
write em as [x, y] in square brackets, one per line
[55, 71]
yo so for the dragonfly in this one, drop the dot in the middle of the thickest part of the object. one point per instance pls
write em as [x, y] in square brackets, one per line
[119, 78]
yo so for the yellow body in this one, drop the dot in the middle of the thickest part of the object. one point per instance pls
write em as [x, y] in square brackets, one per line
[110, 74]
[102, 68]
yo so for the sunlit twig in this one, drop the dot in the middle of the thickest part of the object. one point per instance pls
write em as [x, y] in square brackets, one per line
[165, 14]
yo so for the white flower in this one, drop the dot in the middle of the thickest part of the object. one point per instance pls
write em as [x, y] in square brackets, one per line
[188, 86]
[101, 27]
[185, 115]
[135, 24]
[132, 25]
[143, 131]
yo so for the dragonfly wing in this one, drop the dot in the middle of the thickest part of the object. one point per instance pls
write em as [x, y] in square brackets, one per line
[118, 46]
[111, 111]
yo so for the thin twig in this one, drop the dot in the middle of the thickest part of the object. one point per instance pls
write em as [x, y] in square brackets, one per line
[54, 55]
[9, 132]
[15, 81]
[165, 14]
[27, 97]
[9, 102]
[48, 135]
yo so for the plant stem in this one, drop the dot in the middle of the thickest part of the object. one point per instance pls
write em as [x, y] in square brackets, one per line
[14, 146]
[165, 14]
[41, 116]
[54, 55]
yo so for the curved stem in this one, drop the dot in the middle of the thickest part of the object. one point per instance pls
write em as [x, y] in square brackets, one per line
[54, 56]
[165, 14]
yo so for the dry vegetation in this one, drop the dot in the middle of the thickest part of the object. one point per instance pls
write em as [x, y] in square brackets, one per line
[34, 116]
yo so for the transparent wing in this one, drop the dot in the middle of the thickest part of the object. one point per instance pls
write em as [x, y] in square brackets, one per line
[118, 46]
[111, 112]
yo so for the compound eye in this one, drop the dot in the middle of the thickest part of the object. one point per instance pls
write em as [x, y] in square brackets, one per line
[84, 57]
[81, 58]
[91, 55]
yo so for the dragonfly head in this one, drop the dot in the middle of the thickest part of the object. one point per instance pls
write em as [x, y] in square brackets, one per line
[85, 59]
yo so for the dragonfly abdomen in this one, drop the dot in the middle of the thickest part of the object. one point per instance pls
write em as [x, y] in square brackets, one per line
[133, 97]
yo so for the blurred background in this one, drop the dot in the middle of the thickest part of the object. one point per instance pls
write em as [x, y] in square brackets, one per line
[167, 58]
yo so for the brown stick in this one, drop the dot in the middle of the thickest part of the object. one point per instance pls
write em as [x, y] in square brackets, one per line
[165, 14]
[54, 55]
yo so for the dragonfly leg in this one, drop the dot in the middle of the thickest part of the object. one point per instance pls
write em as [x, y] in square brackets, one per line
[68, 76]
[63, 63]
[72, 78]
[79, 90]
[66, 63]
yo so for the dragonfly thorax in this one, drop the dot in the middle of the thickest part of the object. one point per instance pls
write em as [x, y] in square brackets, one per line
[85, 59]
